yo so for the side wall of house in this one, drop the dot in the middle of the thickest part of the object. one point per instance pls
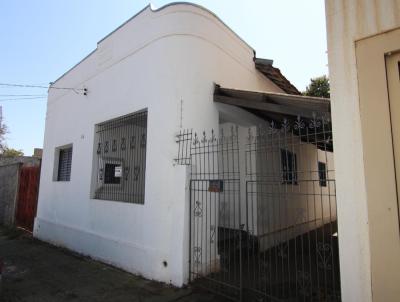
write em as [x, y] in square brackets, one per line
[166, 61]
[295, 208]
[366, 194]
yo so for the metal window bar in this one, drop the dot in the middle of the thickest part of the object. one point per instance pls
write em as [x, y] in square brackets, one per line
[120, 165]
[64, 164]
[184, 140]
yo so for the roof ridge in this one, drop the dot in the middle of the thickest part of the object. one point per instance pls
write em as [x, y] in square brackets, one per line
[275, 75]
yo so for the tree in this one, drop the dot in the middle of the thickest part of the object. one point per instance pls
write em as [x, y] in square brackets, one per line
[319, 87]
[4, 150]
[10, 152]
[3, 131]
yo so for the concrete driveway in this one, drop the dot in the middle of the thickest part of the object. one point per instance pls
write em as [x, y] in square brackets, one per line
[37, 271]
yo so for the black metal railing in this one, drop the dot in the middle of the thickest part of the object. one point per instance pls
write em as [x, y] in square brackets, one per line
[263, 223]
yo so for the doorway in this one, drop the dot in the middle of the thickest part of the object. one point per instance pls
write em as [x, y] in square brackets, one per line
[392, 61]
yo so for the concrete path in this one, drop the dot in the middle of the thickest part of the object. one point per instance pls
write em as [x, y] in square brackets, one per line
[36, 271]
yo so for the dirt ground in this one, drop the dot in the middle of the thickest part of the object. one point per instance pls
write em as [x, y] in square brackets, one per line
[37, 271]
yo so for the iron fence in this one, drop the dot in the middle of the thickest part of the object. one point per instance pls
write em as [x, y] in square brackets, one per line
[263, 223]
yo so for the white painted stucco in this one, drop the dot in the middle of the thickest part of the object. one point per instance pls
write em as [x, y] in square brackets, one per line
[347, 23]
[166, 61]
[307, 205]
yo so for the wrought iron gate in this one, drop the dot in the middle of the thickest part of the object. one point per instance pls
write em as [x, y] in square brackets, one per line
[263, 223]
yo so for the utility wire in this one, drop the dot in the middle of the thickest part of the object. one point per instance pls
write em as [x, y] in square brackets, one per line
[39, 86]
[41, 98]
[23, 85]
[22, 95]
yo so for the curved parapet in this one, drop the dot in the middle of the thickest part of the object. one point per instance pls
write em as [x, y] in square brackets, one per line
[179, 19]
[175, 4]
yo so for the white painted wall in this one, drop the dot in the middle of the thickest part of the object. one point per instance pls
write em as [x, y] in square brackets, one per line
[153, 61]
[298, 208]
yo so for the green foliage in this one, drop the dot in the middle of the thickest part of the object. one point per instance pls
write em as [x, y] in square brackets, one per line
[4, 150]
[3, 131]
[319, 87]
[10, 152]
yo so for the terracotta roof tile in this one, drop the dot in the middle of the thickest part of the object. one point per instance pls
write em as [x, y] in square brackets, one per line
[275, 75]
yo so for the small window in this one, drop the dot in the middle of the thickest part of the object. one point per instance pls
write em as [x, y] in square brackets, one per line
[112, 173]
[64, 164]
[322, 174]
[289, 167]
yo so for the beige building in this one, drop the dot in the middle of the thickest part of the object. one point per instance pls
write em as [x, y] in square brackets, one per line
[364, 63]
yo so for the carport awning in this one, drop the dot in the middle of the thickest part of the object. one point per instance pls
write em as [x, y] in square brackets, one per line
[277, 107]
[273, 105]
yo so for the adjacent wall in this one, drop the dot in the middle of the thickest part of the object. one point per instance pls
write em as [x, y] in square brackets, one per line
[9, 176]
[367, 224]
[9, 181]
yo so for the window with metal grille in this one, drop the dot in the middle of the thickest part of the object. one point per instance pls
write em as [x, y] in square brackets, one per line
[322, 174]
[289, 167]
[64, 164]
[120, 159]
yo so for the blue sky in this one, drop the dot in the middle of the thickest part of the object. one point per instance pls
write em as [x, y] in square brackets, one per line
[40, 40]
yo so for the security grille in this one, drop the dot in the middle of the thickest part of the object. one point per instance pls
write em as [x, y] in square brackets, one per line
[64, 164]
[263, 223]
[120, 153]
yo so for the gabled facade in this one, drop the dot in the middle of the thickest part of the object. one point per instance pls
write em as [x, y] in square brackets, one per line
[162, 62]
[124, 182]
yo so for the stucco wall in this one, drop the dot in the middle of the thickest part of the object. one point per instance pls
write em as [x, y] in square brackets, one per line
[301, 207]
[166, 61]
[9, 175]
[347, 22]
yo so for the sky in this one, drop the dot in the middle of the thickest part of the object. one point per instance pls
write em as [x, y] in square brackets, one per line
[41, 39]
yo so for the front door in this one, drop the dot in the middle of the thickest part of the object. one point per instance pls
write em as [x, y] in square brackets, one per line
[393, 79]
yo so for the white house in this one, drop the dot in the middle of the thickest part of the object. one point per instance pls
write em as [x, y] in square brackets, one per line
[112, 185]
